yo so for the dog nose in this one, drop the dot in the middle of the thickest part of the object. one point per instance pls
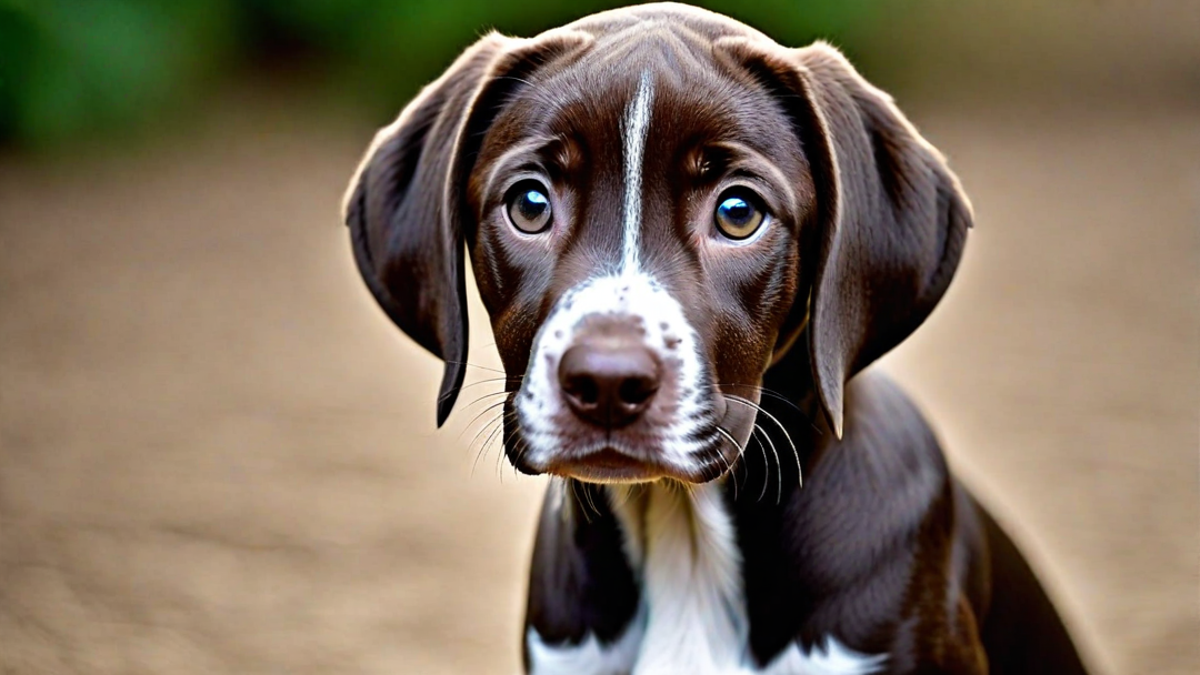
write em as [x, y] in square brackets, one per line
[609, 382]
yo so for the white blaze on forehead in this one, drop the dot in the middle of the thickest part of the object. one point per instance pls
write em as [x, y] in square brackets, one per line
[636, 126]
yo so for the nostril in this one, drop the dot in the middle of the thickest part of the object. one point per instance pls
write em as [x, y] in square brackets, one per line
[635, 391]
[583, 388]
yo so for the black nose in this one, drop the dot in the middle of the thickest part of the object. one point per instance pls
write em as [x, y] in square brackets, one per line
[609, 382]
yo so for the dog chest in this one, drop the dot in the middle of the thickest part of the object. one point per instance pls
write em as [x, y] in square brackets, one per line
[692, 618]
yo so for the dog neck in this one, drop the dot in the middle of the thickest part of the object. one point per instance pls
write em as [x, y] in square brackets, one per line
[682, 543]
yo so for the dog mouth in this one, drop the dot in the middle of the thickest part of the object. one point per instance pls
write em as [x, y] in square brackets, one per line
[609, 465]
[615, 456]
[613, 465]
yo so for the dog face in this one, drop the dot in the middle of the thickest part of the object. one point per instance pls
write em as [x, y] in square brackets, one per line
[658, 201]
[658, 270]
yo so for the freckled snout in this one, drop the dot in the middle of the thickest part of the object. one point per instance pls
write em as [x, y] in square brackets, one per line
[609, 380]
[617, 390]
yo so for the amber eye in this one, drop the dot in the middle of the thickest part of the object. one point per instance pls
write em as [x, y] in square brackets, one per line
[528, 206]
[739, 214]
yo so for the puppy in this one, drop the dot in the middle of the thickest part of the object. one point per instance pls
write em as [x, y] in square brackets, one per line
[690, 242]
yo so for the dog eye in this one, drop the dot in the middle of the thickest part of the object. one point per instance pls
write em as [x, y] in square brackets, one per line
[529, 207]
[739, 214]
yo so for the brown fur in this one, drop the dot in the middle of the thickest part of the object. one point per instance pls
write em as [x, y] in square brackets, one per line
[881, 545]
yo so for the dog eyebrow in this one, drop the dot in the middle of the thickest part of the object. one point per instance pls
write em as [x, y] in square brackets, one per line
[636, 126]
[523, 156]
[743, 160]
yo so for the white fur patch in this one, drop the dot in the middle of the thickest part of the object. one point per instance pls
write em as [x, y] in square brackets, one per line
[691, 582]
[692, 619]
[586, 658]
[831, 658]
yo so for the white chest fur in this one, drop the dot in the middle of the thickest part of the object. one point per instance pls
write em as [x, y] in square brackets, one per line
[692, 617]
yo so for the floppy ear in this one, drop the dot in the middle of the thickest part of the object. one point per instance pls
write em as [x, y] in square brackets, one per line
[892, 217]
[404, 206]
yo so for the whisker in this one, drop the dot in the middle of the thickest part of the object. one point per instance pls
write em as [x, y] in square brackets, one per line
[795, 452]
[487, 380]
[478, 455]
[497, 429]
[729, 437]
[754, 433]
[500, 454]
[575, 493]
[762, 390]
[518, 454]
[476, 419]
[730, 467]
[766, 462]
[484, 428]
[587, 492]
[475, 365]
[505, 438]
[628, 494]
[487, 396]
[778, 466]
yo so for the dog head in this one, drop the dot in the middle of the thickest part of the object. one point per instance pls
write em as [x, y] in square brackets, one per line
[658, 201]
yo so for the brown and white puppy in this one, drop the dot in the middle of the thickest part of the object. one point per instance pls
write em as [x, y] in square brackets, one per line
[689, 241]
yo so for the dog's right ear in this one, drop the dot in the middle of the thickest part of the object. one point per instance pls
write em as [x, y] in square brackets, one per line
[404, 203]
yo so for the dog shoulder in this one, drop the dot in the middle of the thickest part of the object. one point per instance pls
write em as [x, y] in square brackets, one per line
[891, 465]
[922, 530]
[888, 433]
[854, 532]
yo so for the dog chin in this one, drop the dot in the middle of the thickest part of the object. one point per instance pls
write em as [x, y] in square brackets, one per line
[611, 465]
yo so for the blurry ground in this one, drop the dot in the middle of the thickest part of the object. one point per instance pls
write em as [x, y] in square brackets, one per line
[216, 454]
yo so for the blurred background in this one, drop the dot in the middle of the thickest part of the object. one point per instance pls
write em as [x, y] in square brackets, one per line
[217, 455]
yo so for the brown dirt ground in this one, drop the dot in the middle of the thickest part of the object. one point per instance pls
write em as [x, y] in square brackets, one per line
[216, 455]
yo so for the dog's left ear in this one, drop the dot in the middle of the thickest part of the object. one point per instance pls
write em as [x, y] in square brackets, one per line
[405, 203]
[892, 217]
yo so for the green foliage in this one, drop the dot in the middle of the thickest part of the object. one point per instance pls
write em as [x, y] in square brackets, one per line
[68, 68]
[75, 67]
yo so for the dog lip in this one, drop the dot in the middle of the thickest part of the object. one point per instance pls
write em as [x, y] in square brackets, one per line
[612, 465]
[606, 465]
